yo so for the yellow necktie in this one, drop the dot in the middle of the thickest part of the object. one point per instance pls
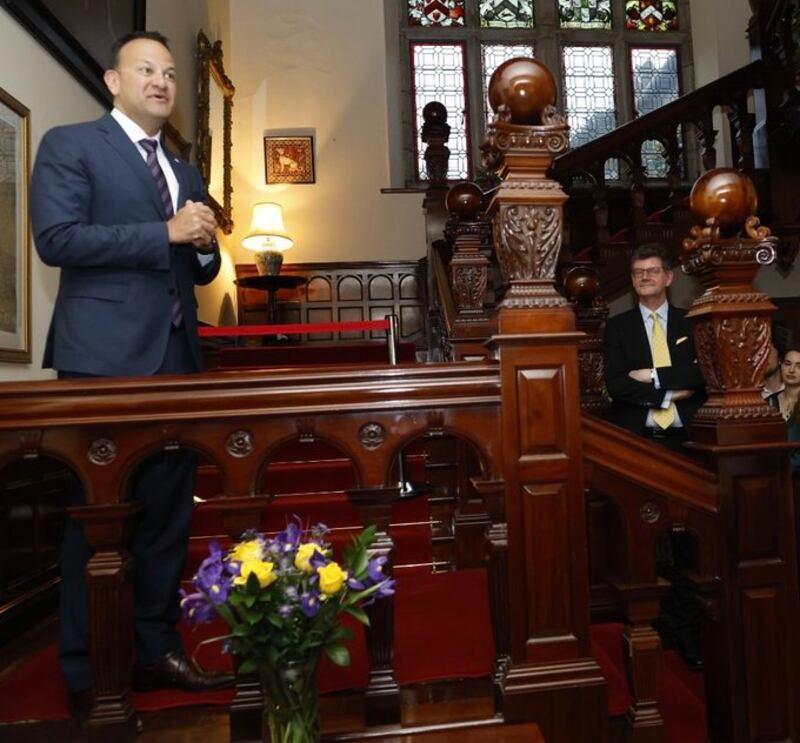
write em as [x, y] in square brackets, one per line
[663, 417]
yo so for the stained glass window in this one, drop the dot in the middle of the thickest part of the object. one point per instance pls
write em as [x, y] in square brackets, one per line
[435, 12]
[492, 56]
[589, 95]
[584, 13]
[654, 73]
[439, 76]
[651, 15]
[506, 13]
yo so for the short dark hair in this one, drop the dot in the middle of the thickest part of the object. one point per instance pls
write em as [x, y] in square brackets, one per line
[127, 38]
[653, 250]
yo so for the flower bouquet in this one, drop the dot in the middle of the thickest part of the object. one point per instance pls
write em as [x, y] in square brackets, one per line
[281, 598]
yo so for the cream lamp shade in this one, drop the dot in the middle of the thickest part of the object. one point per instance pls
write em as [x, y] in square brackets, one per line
[267, 237]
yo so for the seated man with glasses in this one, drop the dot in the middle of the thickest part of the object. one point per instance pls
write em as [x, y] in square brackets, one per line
[651, 371]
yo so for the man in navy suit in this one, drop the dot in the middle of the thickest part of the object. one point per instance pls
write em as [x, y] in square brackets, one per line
[654, 398]
[126, 223]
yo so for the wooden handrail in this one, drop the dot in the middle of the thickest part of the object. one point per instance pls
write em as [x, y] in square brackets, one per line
[653, 468]
[685, 108]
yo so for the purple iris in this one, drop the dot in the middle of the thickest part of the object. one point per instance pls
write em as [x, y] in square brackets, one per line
[356, 585]
[213, 576]
[317, 560]
[319, 531]
[196, 608]
[309, 603]
[375, 568]
[289, 538]
[385, 588]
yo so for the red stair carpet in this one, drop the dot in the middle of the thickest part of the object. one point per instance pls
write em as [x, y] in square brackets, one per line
[681, 696]
[430, 644]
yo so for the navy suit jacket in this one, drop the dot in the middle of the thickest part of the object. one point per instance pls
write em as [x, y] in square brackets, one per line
[97, 215]
[627, 348]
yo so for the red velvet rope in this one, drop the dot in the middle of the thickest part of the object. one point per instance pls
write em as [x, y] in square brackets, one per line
[314, 327]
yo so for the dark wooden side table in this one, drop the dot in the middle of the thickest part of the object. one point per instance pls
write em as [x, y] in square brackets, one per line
[271, 285]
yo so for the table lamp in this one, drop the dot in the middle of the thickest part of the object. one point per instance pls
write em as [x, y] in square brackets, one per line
[267, 238]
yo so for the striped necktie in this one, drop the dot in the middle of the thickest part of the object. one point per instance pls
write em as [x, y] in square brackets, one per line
[151, 148]
[663, 417]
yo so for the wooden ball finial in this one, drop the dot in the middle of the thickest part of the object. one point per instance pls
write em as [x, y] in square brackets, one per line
[525, 86]
[464, 199]
[726, 196]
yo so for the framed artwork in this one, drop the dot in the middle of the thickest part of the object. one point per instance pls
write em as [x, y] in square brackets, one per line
[173, 140]
[79, 33]
[15, 310]
[289, 159]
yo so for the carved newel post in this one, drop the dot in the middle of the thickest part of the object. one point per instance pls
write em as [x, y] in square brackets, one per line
[732, 318]
[550, 673]
[750, 631]
[469, 267]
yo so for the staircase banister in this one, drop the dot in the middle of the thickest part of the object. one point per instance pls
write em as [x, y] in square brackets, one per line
[443, 288]
[654, 468]
[645, 127]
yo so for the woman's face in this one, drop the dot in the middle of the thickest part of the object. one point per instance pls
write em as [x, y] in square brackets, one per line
[790, 368]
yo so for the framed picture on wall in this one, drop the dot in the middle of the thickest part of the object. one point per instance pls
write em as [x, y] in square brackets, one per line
[79, 33]
[289, 159]
[15, 310]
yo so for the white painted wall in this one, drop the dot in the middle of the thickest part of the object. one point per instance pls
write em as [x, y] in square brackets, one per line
[305, 64]
[36, 80]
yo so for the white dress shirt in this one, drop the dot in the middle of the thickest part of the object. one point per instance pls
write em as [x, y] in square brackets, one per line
[135, 133]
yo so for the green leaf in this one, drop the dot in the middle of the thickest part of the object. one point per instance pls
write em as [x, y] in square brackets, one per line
[248, 666]
[275, 620]
[359, 614]
[251, 616]
[367, 536]
[339, 633]
[338, 654]
[253, 586]
[250, 599]
[360, 563]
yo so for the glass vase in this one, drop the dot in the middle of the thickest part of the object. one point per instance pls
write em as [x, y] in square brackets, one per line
[290, 703]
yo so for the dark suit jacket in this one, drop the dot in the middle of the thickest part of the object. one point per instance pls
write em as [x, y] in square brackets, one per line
[627, 348]
[97, 214]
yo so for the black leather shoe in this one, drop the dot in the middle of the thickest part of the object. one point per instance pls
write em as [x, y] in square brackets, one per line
[176, 671]
[80, 705]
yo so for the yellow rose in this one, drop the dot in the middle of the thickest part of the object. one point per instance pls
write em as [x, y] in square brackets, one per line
[304, 552]
[248, 551]
[331, 578]
[264, 571]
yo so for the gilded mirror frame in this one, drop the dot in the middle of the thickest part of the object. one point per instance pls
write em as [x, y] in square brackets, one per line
[210, 69]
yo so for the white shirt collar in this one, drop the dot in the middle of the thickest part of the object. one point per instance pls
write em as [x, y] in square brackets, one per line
[662, 312]
[132, 129]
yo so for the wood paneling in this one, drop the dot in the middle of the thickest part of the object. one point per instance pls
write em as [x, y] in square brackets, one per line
[344, 292]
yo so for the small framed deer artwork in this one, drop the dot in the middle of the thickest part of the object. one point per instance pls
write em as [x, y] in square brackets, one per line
[289, 159]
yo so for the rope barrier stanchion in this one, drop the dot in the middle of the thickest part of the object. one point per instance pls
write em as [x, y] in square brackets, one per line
[391, 337]
[292, 328]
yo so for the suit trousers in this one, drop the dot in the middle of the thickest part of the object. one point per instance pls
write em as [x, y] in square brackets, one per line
[163, 485]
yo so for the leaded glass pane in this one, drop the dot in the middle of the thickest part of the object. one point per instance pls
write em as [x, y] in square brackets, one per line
[506, 13]
[438, 71]
[589, 95]
[436, 13]
[655, 82]
[651, 15]
[584, 13]
[492, 56]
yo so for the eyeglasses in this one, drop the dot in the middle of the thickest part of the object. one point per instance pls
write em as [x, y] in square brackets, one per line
[640, 273]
